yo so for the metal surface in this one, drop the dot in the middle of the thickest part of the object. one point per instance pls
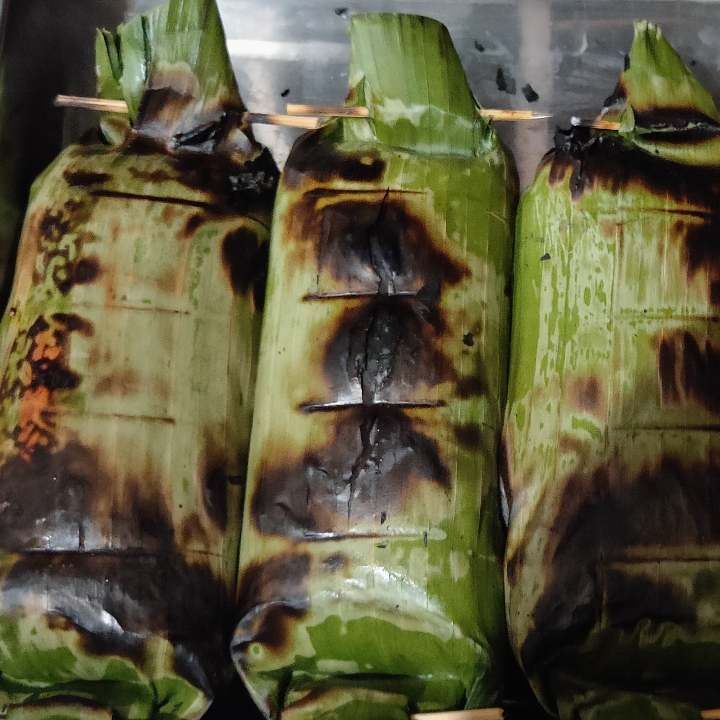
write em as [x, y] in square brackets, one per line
[569, 51]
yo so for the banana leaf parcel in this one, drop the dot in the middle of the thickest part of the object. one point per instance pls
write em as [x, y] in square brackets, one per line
[127, 384]
[613, 424]
[371, 578]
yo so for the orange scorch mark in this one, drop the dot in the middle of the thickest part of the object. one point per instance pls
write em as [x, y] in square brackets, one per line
[43, 372]
[36, 421]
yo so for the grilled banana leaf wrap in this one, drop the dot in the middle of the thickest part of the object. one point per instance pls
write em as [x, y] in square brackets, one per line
[127, 383]
[613, 422]
[371, 559]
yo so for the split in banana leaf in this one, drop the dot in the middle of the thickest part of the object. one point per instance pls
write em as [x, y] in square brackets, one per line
[613, 424]
[371, 581]
[128, 370]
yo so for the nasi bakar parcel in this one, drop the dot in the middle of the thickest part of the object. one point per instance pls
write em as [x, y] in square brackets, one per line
[371, 580]
[127, 373]
[613, 424]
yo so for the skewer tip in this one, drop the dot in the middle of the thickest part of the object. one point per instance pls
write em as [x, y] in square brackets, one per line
[512, 115]
[576, 121]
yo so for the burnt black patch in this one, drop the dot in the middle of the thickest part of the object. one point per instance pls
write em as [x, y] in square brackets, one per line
[87, 270]
[472, 386]
[250, 186]
[39, 325]
[715, 292]
[244, 260]
[468, 339]
[59, 234]
[384, 346]
[47, 495]
[54, 225]
[505, 82]
[600, 160]
[48, 507]
[192, 224]
[603, 513]
[215, 496]
[83, 272]
[688, 370]
[376, 456]
[72, 322]
[203, 137]
[232, 186]
[376, 245]
[479, 46]
[667, 359]
[145, 593]
[315, 156]
[702, 245]
[83, 178]
[468, 436]
[530, 95]
[272, 594]
[260, 281]
[630, 599]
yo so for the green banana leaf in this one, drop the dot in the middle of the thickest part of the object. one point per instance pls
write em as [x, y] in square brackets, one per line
[127, 377]
[371, 578]
[613, 420]
[172, 68]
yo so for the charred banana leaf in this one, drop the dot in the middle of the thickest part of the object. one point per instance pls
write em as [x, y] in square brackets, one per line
[613, 428]
[371, 580]
[127, 384]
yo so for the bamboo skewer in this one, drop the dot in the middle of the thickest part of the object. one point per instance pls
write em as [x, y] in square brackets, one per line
[497, 714]
[120, 106]
[301, 116]
[113, 106]
[327, 110]
[360, 111]
[485, 714]
[309, 123]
